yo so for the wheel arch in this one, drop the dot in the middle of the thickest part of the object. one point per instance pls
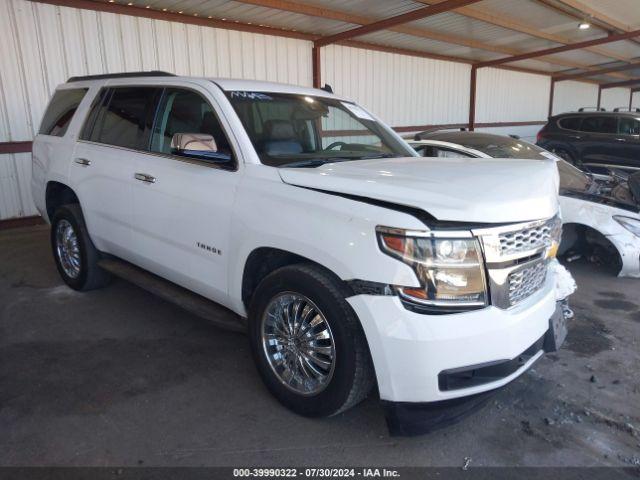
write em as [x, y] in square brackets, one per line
[582, 238]
[264, 260]
[56, 195]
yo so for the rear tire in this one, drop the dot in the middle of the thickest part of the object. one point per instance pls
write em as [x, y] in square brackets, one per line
[319, 383]
[75, 255]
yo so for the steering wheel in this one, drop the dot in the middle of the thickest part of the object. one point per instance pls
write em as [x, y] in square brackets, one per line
[335, 144]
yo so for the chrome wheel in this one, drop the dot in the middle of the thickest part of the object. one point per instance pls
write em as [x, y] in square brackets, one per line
[67, 248]
[298, 343]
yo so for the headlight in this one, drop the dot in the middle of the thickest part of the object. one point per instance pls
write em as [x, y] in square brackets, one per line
[450, 269]
[631, 224]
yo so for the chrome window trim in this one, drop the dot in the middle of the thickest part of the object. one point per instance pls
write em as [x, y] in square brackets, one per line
[203, 163]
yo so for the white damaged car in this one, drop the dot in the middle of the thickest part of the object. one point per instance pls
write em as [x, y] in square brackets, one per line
[600, 214]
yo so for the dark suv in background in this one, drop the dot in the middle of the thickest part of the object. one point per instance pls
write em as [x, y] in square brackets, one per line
[595, 141]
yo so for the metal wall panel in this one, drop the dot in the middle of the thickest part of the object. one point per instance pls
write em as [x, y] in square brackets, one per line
[615, 97]
[401, 90]
[508, 96]
[43, 45]
[15, 189]
[569, 96]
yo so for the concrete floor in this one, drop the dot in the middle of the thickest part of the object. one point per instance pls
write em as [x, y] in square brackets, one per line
[119, 377]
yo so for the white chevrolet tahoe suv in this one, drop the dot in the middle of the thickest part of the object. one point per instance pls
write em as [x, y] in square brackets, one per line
[349, 260]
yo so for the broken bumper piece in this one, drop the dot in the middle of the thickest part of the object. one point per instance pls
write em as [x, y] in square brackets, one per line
[417, 418]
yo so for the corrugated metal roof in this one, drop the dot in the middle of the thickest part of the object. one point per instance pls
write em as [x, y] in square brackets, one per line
[468, 35]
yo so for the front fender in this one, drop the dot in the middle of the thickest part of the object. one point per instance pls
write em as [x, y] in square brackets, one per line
[335, 232]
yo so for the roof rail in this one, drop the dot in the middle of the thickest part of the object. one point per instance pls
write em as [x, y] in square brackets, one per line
[152, 73]
[626, 109]
[589, 109]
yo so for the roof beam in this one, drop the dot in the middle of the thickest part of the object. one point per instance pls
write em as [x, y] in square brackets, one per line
[596, 15]
[176, 17]
[602, 71]
[578, 10]
[510, 23]
[626, 83]
[340, 16]
[565, 48]
[417, 14]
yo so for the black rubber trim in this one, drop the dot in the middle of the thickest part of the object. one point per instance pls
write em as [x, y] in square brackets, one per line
[481, 374]
[152, 73]
[364, 287]
[409, 418]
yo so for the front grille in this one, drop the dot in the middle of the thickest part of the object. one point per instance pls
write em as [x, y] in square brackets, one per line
[530, 238]
[526, 281]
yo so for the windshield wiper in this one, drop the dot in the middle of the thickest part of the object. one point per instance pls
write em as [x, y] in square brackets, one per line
[316, 162]
[371, 157]
[310, 162]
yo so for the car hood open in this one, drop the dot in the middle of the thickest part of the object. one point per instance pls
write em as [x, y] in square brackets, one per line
[478, 190]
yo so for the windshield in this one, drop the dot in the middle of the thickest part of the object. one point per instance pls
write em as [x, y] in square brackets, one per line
[299, 130]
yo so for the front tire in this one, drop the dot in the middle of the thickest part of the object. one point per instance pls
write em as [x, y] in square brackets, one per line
[307, 342]
[75, 255]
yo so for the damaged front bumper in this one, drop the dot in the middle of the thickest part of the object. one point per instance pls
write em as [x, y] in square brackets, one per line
[417, 418]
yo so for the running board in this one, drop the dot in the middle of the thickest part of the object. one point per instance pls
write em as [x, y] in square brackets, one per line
[192, 302]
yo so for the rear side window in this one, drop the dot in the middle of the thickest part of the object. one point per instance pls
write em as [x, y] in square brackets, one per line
[603, 124]
[125, 117]
[60, 111]
[570, 123]
[629, 126]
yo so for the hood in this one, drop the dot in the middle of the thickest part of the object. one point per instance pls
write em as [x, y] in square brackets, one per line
[478, 190]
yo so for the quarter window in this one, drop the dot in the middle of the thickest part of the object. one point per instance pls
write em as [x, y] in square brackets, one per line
[570, 123]
[125, 119]
[60, 111]
[629, 126]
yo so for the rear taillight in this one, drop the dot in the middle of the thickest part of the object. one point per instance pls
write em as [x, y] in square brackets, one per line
[540, 135]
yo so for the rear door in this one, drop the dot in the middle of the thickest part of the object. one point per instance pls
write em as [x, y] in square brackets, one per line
[182, 205]
[600, 144]
[629, 138]
[115, 133]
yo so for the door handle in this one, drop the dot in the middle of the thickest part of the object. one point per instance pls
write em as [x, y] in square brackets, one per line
[83, 161]
[143, 177]
[621, 139]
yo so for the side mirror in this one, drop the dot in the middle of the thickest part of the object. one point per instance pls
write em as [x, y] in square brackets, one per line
[199, 146]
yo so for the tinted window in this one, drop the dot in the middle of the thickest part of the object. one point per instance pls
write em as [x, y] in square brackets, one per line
[125, 119]
[570, 123]
[60, 111]
[603, 124]
[629, 126]
[184, 111]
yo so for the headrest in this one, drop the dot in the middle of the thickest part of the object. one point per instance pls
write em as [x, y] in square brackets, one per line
[279, 130]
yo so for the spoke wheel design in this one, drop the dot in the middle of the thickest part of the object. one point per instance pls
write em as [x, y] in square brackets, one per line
[68, 248]
[298, 343]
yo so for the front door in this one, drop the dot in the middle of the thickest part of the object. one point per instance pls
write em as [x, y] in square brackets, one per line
[182, 205]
